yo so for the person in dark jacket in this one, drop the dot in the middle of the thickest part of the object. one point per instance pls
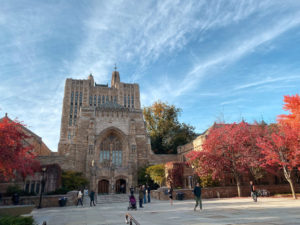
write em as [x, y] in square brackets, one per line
[171, 195]
[253, 191]
[131, 190]
[149, 193]
[141, 196]
[197, 193]
[92, 198]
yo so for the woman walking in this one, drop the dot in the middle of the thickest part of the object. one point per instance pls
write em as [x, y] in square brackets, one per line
[171, 195]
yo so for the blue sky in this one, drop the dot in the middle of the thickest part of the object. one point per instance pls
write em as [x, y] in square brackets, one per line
[217, 60]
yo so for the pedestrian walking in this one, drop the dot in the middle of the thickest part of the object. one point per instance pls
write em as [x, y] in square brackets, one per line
[253, 191]
[144, 192]
[79, 198]
[197, 193]
[141, 196]
[131, 190]
[171, 195]
[92, 198]
[148, 194]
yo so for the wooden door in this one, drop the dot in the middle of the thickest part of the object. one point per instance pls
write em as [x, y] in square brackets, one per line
[103, 187]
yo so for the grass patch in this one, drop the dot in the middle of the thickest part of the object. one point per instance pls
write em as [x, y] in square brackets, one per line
[16, 220]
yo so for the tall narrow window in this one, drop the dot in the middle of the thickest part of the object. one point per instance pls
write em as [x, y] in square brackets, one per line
[72, 98]
[80, 99]
[76, 98]
[95, 100]
[124, 101]
[107, 99]
[128, 101]
[103, 99]
[91, 100]
[99, 100]
[115, 99]
[132, 101]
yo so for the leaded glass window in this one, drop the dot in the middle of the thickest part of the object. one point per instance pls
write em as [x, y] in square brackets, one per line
[111, 150]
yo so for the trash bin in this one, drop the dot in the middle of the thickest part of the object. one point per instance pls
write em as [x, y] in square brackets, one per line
[62, 201]
[180, 196]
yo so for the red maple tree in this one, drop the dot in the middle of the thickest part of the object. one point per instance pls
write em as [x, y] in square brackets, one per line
[281, 144]
[16, 155]
[229, 150]
[292, 104]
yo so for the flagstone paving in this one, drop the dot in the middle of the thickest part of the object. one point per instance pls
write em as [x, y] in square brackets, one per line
[216, 211]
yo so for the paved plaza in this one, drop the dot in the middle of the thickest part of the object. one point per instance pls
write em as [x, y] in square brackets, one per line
[216, 211]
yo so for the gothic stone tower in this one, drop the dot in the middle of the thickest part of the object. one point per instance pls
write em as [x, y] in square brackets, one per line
[103, 133]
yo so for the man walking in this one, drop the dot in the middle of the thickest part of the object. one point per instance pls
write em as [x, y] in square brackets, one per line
[144, 192]
[92, 198]
[141, 196]
[197, 193]
[253, 191]
[149, 194]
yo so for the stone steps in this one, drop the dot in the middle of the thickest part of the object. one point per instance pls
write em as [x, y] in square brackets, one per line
[113, 198]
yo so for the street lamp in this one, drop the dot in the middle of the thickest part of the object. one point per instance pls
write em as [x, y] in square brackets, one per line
[43, 186]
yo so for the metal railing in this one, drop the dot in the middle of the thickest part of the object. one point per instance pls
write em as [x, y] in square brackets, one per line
[130, 220]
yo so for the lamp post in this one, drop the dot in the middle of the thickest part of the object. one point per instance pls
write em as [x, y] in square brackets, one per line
[43, 186]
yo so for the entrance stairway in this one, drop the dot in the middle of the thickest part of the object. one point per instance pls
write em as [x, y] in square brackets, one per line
[113, 198]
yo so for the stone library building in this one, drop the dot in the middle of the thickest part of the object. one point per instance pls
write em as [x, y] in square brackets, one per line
[103, 134]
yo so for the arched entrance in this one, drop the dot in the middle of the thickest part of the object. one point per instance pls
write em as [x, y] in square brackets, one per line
[121, 186]
[103, 187]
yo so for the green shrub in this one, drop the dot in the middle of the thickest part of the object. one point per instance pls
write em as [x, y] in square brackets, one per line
[16, 220]
[59, 191]
[73, 180]
[208, 181]
[11, 189]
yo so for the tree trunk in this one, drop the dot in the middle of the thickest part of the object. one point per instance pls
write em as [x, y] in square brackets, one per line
[292, 188]
[238, 185]
[288, 177]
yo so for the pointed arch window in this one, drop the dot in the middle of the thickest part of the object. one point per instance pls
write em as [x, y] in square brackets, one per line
[111, 150]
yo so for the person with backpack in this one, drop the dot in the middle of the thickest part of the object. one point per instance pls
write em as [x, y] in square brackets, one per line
[79, 198]
[197, 194]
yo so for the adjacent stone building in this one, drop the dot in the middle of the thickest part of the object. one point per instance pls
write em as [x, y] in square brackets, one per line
[103, 133]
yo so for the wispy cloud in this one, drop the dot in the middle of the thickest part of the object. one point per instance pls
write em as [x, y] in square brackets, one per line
[267, 80]
[238, 50]
[173, 49]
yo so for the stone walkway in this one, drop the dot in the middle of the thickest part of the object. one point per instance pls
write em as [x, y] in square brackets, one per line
[216, 211]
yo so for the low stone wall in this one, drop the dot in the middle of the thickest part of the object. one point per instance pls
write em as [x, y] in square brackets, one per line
[47, 200]
[223, 192]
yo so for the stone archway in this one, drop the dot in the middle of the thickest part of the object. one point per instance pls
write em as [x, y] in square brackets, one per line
[103, 186]
[121, 186]
[111, 145]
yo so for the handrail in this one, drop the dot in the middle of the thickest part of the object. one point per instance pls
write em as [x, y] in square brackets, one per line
[129, 219]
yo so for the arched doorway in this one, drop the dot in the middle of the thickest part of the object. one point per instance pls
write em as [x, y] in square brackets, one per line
[103, 187]
[121, 186]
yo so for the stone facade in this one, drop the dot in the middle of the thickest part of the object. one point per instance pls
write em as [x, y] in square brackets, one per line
[103, 134]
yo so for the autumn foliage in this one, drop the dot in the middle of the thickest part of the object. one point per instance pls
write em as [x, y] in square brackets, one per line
[281, 143]
[292, 104]
[229, 151]
[232, 150]
[174, 171]
[16, 156]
